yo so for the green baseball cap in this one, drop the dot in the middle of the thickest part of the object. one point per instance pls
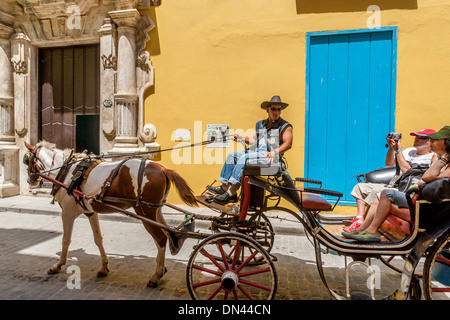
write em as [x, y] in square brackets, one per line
[444, 133]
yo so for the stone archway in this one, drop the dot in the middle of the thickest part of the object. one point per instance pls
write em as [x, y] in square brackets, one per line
[125, 72]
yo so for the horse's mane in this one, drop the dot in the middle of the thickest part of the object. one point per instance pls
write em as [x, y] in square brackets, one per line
[46, 145]
[52, 147]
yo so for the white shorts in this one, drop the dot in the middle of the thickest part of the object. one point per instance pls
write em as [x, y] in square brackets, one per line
[367, 191]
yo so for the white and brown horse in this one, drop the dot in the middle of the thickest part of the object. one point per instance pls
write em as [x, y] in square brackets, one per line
[153, 188]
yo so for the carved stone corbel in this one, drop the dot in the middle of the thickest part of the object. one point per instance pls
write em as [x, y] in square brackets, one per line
[20, 66]
[109, 62]
[110, 135]
[148, 133]
[22, 133]
[143, 61]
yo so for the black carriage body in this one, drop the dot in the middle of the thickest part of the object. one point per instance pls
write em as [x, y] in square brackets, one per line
[423, 212]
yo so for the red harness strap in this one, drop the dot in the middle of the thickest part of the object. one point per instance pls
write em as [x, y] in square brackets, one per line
[59, 183]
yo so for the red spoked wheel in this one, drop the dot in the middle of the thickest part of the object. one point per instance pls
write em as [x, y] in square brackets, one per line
[222, 267]
[436, 274]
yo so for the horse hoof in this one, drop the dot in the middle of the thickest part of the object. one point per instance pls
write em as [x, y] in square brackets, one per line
[154, 283]
[53, 270]
[103, 273]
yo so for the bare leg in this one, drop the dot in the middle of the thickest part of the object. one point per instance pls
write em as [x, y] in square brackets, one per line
[370, 215]
[384, 208]
[361, 208]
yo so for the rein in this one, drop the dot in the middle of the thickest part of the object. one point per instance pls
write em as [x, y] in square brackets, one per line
[135, 154]
[34, 169]
[59, 183]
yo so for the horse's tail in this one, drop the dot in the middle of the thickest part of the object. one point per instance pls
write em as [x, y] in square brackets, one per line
[183, 188]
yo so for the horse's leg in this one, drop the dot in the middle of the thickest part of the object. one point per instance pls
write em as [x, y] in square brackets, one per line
[98, 239]
[160, 239]
[68, 218]
[160, 267]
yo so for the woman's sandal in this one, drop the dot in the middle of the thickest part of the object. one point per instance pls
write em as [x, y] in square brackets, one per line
[364, 236]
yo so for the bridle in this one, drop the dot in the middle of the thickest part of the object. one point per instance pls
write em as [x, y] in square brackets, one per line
[35, 165]
[31, 159]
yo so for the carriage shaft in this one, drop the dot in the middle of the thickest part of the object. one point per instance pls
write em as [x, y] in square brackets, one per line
[170, 229]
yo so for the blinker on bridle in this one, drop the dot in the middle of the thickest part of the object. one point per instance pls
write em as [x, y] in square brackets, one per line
[31, 160]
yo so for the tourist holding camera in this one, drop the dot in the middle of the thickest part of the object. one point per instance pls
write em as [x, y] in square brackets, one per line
[419, 154]
[380, 209]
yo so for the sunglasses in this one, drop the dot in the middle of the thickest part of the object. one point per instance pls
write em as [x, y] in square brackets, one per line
[423, 138]
[275, 109]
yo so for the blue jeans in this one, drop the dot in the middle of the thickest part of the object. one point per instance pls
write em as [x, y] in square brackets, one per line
[232, 169]
[396, 197]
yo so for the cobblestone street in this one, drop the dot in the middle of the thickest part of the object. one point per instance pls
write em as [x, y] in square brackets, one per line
[30, 242]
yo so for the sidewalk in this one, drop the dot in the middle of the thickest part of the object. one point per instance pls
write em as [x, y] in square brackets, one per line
[42, 205]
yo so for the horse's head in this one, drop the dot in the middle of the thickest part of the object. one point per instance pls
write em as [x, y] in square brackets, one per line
[38, 158]
[31, 160]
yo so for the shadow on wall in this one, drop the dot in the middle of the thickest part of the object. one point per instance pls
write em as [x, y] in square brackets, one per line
[153, 46]
[324, 6]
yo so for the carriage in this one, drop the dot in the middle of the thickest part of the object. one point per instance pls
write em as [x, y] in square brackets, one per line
[234, 260]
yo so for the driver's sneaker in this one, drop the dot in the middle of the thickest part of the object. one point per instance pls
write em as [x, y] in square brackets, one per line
[355, 225]
[216, 190]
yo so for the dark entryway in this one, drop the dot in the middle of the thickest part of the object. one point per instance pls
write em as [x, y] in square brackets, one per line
[88, 127]
[69, 97]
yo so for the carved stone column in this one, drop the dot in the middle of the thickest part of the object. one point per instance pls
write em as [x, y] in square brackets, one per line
[20, 59]
[6, 88]
[126, 97]
[108, 54]
[24, 59]
[9, 180]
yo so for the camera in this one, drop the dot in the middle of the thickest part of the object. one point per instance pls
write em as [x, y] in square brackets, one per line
[394, 136]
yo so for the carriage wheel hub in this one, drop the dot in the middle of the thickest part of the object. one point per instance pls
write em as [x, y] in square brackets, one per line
[230, 280]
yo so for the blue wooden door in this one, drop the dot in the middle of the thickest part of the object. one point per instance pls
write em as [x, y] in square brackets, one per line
[350, 105]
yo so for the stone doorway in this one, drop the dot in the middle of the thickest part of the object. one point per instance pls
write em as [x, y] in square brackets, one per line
[119, 32]
[69, 90]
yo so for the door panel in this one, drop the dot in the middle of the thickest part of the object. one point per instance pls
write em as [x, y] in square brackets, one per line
[69, 85]
[350, 105]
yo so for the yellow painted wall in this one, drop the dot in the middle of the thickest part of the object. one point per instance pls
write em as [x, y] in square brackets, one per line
[215, 61]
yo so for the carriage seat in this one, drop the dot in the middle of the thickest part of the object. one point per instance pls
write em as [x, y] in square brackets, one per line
[307, 198]
[314, 202]
[261, 169]
[398, 223]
